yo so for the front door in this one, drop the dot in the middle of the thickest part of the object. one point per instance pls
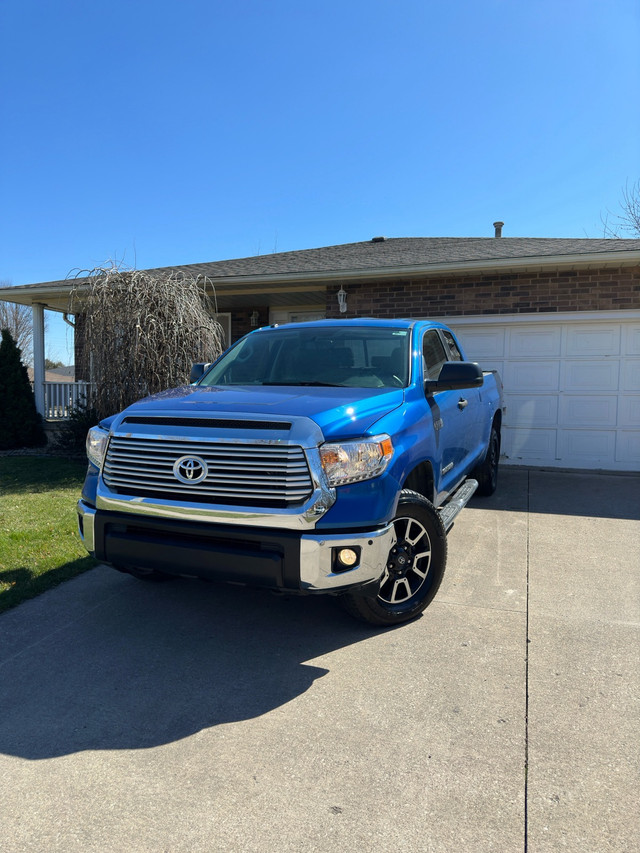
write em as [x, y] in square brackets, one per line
[451, 412]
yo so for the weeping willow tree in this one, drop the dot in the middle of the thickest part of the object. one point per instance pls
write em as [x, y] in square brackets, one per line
[141, 331]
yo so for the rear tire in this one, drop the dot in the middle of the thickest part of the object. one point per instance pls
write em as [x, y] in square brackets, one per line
[487, 472]
[414, 568]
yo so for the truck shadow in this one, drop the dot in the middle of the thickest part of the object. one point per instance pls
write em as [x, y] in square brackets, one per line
[153, 664]
[588, 494]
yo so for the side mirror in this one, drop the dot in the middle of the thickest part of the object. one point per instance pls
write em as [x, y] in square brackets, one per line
[454, 376]
[198, 370]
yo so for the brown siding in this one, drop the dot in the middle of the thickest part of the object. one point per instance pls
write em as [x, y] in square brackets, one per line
[545, 292]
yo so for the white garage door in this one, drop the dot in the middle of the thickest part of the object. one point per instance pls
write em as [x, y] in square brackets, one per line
[571, 382]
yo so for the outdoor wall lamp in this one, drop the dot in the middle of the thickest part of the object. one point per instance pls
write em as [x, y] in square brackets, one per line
[254, 318]
[342, 299]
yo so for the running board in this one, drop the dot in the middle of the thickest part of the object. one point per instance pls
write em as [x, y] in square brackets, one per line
[458, 501]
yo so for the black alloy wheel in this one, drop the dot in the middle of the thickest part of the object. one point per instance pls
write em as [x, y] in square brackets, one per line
[414, 567]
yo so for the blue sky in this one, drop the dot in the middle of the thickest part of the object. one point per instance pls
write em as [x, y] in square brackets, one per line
[159, 133]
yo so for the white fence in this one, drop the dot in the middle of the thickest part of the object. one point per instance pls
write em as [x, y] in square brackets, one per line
[60, 398]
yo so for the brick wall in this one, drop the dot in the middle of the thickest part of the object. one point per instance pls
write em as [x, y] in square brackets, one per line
[81, 356]
[528, 293]
[241, 320]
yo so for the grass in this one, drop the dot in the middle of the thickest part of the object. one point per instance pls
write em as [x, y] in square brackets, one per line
[39, 543]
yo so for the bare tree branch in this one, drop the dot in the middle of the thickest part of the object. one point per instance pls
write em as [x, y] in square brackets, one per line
[627, 222]
[18, 320]
[142, 331]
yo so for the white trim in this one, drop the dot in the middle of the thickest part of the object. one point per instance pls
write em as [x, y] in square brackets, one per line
[224, 318]
[38, 357]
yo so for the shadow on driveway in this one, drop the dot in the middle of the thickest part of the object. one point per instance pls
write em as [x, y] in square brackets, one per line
[588, 494]
[156, 663]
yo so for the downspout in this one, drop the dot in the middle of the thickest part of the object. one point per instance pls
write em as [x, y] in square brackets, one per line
[38, 356]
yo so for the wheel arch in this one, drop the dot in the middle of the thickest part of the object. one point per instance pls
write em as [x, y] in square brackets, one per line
[421, 480]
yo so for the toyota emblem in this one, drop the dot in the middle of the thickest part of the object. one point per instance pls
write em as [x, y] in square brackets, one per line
[190, 470]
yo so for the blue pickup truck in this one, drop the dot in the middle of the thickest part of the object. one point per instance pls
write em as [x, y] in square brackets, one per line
[323, 457]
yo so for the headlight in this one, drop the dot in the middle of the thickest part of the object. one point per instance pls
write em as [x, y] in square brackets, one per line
[96, 445]
[352, 461]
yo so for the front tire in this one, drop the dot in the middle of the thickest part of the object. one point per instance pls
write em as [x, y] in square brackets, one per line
[414, 568]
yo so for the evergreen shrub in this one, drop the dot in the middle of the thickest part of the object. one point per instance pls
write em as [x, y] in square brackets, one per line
[20, 423]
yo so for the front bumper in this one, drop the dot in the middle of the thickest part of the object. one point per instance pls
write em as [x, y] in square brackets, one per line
[281, 559]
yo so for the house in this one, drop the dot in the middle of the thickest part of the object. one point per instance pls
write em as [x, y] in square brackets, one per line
[559, 318]
[56, 374]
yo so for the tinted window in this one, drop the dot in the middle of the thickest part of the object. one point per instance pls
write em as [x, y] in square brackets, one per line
[433, 354]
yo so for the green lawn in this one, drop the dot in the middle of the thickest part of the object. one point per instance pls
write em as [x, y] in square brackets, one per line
[39, 543]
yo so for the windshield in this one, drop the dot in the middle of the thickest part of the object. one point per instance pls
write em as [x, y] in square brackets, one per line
[335, 356]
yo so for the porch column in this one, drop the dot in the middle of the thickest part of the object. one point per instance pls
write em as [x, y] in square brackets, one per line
[38, 356]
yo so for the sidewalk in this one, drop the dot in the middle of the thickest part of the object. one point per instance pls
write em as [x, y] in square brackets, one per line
[192, 718]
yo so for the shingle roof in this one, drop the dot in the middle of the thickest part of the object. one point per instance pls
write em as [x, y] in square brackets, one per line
[407, 252]
[389, 256]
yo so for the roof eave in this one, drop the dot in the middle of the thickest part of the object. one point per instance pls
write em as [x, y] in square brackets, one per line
[503, 265]
[50, 292]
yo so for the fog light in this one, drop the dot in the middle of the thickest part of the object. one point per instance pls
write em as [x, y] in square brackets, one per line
[343, 559]
[348, 557]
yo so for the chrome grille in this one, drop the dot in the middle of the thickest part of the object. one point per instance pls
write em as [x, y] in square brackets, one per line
[239, 474]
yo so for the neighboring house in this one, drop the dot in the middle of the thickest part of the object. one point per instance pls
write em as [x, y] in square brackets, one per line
[559, 318]
[58, 374]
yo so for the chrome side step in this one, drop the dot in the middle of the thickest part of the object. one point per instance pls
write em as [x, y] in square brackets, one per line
[458, 501]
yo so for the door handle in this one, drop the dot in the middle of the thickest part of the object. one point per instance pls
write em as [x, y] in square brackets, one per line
[462, 403]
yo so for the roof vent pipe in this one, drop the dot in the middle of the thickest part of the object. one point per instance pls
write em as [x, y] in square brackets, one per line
[498, 226]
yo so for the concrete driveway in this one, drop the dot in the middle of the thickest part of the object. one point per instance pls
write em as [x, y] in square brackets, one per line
[190, 717]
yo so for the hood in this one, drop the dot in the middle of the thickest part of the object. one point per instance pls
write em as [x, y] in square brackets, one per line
[339, 412]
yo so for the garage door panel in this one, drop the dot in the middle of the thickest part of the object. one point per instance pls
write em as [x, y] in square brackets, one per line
[484, 344]
[531, 342]
[629, 412]
[596, 411]
[594, 448]
[628, 449]
[632, 340]
[593, 340]
[630, 375]
[539, 410]
[530, 444]
[600, 375]
[532, 375]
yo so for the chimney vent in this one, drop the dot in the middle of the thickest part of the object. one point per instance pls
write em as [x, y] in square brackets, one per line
[498, 226]
[378, 239]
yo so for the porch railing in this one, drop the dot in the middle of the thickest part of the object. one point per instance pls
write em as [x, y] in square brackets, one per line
[60, 398]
